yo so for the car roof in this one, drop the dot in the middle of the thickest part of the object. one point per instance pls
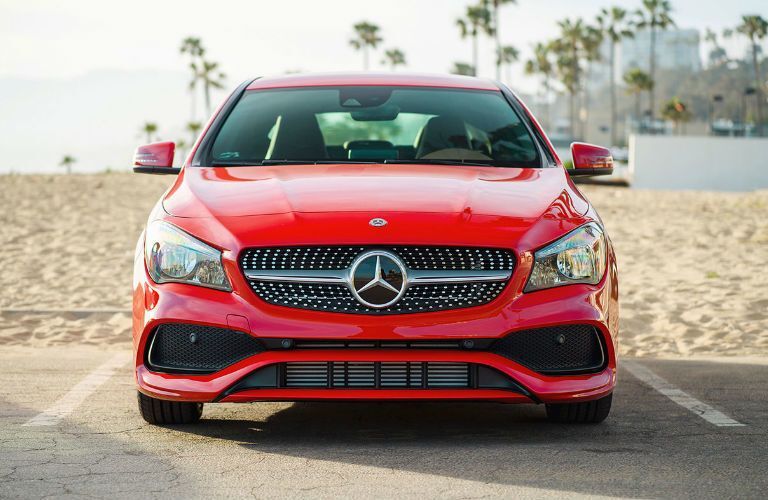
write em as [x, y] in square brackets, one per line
[370, 78]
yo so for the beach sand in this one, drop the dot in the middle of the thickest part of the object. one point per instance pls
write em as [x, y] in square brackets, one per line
[691, 264]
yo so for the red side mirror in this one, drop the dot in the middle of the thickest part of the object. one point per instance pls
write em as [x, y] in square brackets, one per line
[155, 158]
[590, 160]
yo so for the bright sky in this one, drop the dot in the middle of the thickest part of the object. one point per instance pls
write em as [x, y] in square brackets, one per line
[53, 38]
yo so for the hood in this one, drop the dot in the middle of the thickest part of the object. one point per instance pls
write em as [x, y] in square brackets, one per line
[523, 193]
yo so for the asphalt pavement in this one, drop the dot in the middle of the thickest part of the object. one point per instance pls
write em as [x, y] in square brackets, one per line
[69, 427]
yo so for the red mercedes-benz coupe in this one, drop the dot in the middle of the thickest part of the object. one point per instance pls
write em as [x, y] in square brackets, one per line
[374, 237]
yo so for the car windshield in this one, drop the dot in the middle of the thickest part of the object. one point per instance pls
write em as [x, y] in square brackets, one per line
[374, 124]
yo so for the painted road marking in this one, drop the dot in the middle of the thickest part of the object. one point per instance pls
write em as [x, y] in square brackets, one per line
[74, 398]
[679, 396]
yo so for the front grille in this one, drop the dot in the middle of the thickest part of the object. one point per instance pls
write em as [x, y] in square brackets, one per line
[341, 257]
[344, 374]
[183, 347]
[557, 349]
[337, 297]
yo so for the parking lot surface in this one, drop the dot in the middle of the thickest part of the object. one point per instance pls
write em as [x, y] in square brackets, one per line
[69, 427]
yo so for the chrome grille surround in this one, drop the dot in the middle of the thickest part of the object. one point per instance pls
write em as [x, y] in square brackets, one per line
[319, 278]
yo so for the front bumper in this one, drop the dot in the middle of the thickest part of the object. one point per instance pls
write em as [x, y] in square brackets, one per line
[241, 310]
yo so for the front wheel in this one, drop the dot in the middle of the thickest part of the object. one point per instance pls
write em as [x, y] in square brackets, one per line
[588, 412]
[161, 412]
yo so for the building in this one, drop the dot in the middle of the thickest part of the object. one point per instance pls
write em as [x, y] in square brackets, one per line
[675, 49]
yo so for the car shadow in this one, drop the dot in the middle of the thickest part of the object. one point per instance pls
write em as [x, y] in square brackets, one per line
[638, 451]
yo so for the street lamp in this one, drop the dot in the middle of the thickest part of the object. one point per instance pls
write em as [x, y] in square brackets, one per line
[715, 99]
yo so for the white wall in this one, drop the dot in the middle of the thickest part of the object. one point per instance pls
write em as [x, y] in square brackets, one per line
[707, 163]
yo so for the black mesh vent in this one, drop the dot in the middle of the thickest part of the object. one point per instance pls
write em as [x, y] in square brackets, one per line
[460, 258]
[338, 298]
[381, 375]
[195, 348]
[557, 349]
[299, 257]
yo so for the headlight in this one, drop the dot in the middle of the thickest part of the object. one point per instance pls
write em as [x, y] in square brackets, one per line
[173, 256]
[578, 257]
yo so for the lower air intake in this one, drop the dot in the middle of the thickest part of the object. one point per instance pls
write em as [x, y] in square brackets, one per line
[384, 375]
[555, 350]
[181, 347]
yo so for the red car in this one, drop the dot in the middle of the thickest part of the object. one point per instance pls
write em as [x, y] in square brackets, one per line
[374, 237]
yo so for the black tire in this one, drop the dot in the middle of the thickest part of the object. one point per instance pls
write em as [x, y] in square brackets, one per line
[161, 412]
[589, 412]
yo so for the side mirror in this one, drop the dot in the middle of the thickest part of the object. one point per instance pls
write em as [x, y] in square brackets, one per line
[155, 158]
[590, 160]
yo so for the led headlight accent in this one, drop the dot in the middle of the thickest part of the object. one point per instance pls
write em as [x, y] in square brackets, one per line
[578, 257]
[173, 256]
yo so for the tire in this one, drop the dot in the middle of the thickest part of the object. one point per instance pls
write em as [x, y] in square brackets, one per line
[161, 412]
[589, 412]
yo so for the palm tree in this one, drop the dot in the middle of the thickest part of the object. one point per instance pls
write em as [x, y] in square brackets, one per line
[655, 17]
[638, 81]
[478, 19]
[592, 39]
[209, 75]
[569, 51]
[149, 128]
[497, 32]
[615, 26]
[507, 56]
[366, 36]
[67, 163]
[676, 112]
[194, 128]
[460, 68]
[717, 54]
[194, 48]
[541, 65]
[755, 28]
[394, 57]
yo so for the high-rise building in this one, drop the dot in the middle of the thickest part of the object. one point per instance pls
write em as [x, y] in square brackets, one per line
[675, 49]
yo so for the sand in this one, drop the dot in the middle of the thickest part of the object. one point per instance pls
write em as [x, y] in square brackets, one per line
[692, 264]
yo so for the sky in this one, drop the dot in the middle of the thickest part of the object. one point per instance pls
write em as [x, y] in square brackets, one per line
[47, 38]
[80, 77]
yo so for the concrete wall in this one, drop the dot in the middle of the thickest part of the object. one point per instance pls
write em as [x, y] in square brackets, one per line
[707, 163]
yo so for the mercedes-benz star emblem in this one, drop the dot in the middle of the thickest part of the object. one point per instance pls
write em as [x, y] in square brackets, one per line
[378, 279]
[377, 222]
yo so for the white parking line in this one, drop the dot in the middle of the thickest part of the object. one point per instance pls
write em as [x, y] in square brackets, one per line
[679, 396]
[72, 399]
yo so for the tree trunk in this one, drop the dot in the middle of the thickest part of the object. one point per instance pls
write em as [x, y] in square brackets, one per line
[613, 92]
[474, 53]
[365, 57]
[192, 108]
[637, 109]
[585, 103]
[498, 39]
[651, 96]
[208, 99]
[573, 114]
[758, 90]
[546, 102]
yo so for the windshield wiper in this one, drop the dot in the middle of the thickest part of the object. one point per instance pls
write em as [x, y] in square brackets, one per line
[471, 163]
[264, 163]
